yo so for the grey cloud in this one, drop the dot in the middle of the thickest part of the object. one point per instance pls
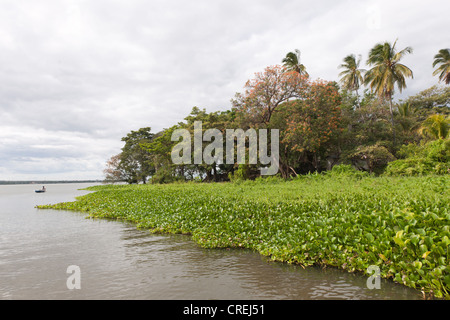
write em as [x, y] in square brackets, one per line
[97, 69]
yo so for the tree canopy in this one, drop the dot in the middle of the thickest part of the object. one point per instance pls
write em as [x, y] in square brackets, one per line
[321, 123]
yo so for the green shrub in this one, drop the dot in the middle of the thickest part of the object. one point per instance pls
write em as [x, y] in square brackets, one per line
[410, 167]
[164, 175]
[430, 158]
[410, 150]
[346, 170]
[438, 150]
[241, 174]
[269, 179]
[376, 157]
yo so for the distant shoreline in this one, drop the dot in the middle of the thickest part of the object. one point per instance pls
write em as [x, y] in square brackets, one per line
[49, 182]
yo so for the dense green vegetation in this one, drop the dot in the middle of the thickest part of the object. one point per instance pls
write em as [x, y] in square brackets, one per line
[343, 218]
[378, 194]
[354, 121]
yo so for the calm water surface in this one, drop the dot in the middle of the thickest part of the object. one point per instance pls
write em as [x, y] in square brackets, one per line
[117, 261]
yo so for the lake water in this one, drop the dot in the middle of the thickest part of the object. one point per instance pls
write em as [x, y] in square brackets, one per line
[117, 261]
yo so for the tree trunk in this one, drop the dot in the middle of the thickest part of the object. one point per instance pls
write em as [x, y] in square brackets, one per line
[315, 162]
[292, 169]
[208, 175]
[216, 178]
[357, 98]
[284, 169]
[392, 119]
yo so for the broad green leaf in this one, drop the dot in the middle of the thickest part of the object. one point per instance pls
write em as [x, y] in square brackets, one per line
[382, 257]
[370, 237]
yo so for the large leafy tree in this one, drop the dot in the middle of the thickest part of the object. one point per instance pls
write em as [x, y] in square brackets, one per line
[135, 161]
[430, 101]
[292, 63]
[307, 126]
[387, 72]
[159, 149]
[220, 120]
[113, 172]
[161, 146]
[264, 93]
[352, 75]
[443, 60]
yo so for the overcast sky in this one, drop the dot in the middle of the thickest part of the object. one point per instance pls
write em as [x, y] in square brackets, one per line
[77, 75]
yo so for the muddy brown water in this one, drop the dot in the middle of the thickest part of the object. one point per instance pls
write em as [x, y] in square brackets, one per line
[117, 261]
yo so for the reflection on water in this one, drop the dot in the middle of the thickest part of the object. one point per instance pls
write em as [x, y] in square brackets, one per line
[117, 261]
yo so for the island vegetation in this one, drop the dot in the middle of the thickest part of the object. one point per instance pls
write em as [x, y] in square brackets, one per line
[322, 123]
[363, 179]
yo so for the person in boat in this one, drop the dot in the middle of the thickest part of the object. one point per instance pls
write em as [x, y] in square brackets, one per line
[43, 188]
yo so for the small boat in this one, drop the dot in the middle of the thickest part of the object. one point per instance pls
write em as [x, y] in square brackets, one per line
[40, 190]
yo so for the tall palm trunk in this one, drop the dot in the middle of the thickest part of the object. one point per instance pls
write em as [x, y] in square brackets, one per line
[391, 109]
[357, 98]
[387, 72]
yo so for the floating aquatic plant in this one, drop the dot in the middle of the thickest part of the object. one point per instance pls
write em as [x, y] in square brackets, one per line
[400, 224]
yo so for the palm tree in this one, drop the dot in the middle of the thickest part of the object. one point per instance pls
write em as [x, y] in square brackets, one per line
[442, 58]
[352, 75]
[407, 116]
[406, 110]
[387, 72]
[436, 126]
[292, 63]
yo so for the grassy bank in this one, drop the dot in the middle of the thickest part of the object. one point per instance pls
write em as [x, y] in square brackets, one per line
[400, 224]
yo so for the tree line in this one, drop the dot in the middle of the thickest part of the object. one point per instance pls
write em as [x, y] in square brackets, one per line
[322, 123]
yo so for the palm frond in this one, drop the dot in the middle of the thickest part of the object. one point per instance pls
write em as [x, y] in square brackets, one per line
[436, 126]
[351, 76]
[292, 62]
[442, 59]
[386, 71]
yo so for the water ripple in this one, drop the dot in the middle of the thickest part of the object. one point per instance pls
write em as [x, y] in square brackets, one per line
[118, 261]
